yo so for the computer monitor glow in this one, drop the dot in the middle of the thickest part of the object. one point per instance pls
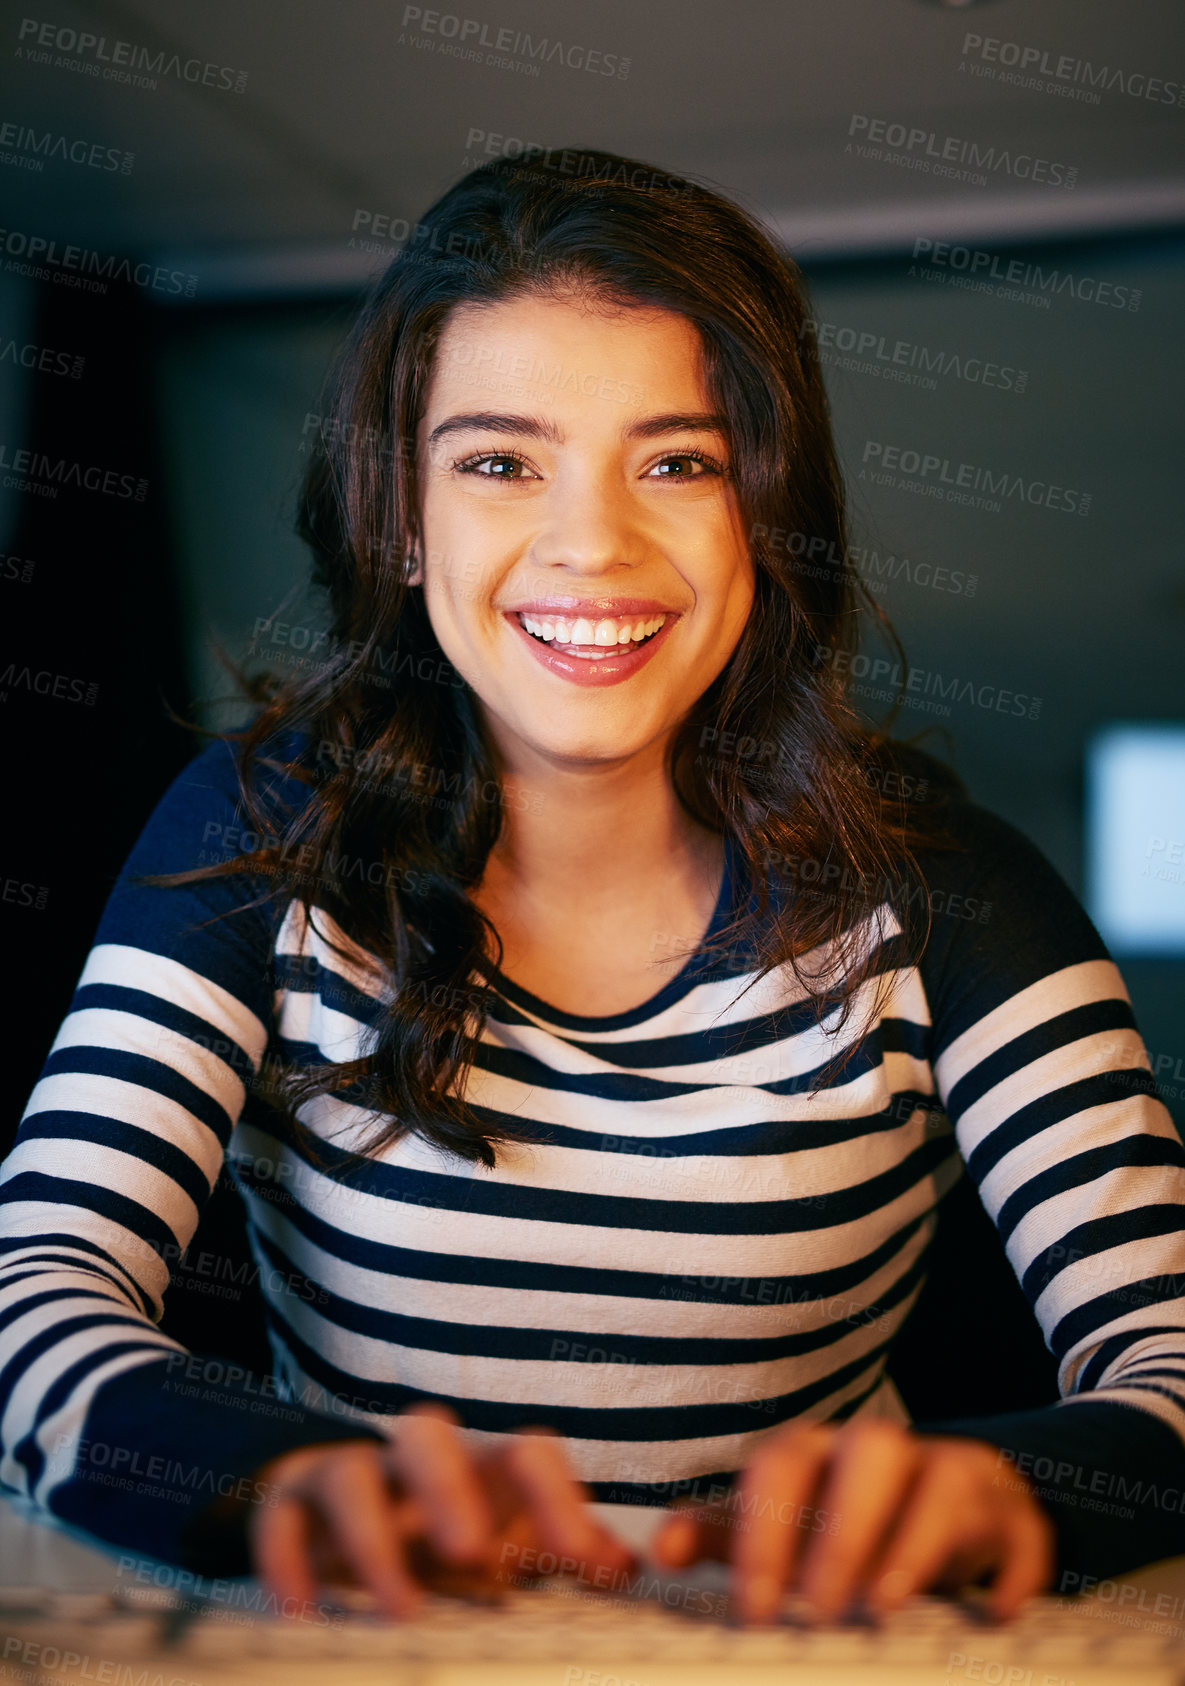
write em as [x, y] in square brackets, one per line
[1136, 838]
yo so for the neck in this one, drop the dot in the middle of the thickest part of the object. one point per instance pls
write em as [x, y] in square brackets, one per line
[600, 840]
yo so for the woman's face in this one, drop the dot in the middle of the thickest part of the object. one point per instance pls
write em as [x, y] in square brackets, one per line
[574, 477]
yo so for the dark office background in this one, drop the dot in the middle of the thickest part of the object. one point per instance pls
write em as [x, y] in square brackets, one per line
[261, 182]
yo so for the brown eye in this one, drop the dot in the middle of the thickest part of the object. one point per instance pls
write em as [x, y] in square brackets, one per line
[686, 465]
[495, 465]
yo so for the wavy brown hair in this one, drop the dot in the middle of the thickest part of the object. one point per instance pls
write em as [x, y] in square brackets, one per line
[803, 782]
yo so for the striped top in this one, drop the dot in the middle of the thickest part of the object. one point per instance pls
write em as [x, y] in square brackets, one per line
[695, 1248]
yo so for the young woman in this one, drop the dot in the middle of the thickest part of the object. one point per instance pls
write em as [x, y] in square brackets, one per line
[590, 1010]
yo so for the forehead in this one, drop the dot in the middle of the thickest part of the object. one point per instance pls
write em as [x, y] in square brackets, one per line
[570, 348]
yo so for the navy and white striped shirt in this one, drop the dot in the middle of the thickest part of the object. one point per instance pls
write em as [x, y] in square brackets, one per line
[695, 1248]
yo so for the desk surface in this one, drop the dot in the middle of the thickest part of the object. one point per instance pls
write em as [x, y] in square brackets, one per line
[73, 1612]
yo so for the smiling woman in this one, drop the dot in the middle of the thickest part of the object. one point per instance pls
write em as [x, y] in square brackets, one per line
[666, 417]
[645, 1003]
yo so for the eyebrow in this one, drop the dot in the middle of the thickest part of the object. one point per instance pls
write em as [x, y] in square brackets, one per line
[542, 427]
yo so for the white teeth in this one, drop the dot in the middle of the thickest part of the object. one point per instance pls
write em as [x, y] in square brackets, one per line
[610, 630]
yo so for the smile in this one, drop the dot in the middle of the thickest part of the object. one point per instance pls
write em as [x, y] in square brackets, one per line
[584, 651]
[590, 638]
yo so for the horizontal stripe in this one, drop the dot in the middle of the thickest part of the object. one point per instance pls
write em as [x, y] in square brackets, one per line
[711, 1214]
[1039, 1115]
[1056, 1032]
[140, 1144]
[150, 1074]
[1084, 1168]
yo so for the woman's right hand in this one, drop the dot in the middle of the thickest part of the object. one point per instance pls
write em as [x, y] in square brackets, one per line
[421, 1513]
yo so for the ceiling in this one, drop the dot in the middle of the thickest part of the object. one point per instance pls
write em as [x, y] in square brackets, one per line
[348, 115]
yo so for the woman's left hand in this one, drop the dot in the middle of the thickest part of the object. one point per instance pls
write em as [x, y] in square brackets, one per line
[869, 1510]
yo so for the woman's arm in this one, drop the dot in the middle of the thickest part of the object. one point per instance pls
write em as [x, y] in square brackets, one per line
[1036, 1058]
[103, 1419]
[1042, 1072]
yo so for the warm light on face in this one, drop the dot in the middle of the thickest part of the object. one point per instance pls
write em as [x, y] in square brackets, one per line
[572, 467]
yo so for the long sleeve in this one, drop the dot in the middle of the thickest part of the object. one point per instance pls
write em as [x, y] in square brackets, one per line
[104, 1420]
[1043, 1075]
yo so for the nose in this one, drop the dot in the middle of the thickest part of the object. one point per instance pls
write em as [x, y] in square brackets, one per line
[589, 526]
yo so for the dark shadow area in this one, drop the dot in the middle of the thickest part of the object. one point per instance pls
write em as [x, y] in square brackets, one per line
[96, 646]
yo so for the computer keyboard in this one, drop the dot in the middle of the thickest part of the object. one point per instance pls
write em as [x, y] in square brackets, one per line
[559, 1634]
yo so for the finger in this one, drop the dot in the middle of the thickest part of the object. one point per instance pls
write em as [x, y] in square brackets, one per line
[558, 1504]
[768, 1501]
[872, 1467]
[279, 1535]
[355, 1507]
[940, 1529]
[693, 1533]
[1028, 1559]
[426, 1565]
[437, 1470]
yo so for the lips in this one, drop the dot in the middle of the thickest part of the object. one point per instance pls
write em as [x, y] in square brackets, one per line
[601, 664]
[592, 608]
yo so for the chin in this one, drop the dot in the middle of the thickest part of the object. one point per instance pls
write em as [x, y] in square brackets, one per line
[586, 748]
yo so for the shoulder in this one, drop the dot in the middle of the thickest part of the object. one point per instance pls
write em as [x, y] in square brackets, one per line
[203, 816]
[989, 916]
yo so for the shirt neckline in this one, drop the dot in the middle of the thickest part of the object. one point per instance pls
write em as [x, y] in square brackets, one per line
[690, 973]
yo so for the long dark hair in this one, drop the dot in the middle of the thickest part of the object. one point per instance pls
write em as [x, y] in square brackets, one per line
[772, 755]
